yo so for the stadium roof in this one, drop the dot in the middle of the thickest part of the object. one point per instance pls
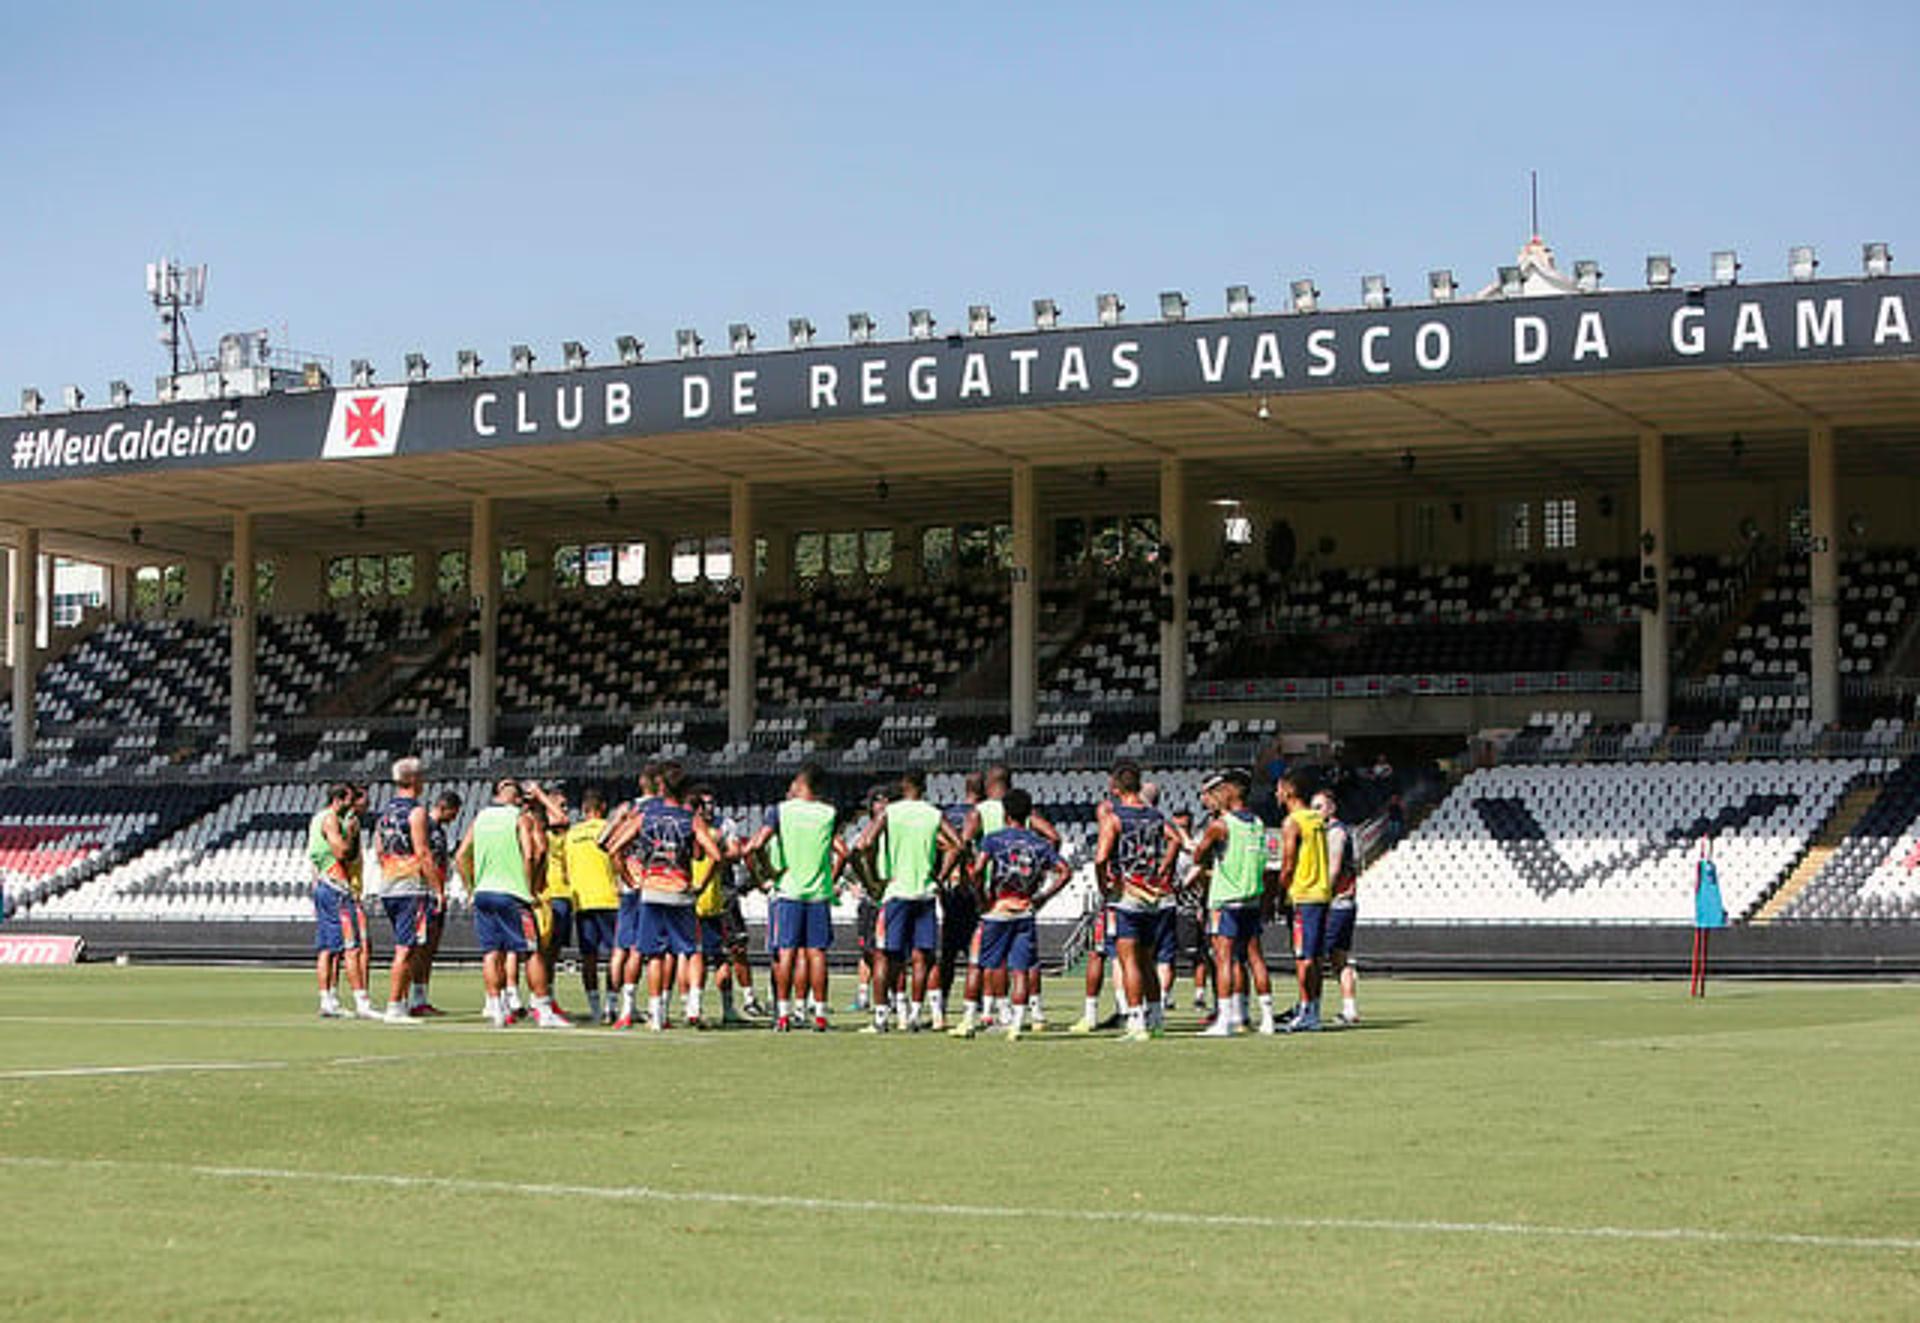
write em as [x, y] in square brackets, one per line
[1520, 396]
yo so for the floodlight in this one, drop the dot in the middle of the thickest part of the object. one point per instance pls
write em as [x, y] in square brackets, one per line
[362, 372]
[120, 393]
[687, 342]
[1046, 315]
[919, 324]
[799, 332]
[574, 354]
[979, 319]
[522, 356]
[314, 375]
[71, 398]
[1586, 276]
[1440, 285]
[1725, 265]
[416, 367]
[740, 338]
[1109, 308]
[630, 347]
[1239, 301]
[1306, 296]
[1801, 263]
[1173, 306]
[469, 363]
[1659, 271]
[1374, 292]
[1512, 283]
[860, 328]
[1876, 259]
[31, 400]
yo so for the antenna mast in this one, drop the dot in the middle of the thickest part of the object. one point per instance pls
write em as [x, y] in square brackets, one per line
[1533, 188]
[174, 288]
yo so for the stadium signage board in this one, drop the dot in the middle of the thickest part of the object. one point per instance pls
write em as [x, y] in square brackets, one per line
[38, 949]
[1569, 335]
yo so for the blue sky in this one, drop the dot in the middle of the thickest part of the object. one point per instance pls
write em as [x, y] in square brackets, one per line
[386, 177]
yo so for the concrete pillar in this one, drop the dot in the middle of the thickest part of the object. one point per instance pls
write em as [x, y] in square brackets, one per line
[26, 609]
[7, 631]
[1824, 573]
[1173, 583]
[906, 556]
[483, 588]
[742, 618]
[1655, 643]
[426, 577]
[659, 564]
[200, 589]
[240, 729]
[120, 591]
[1025, 662]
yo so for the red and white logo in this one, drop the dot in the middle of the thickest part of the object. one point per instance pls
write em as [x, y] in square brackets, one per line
[365, 422]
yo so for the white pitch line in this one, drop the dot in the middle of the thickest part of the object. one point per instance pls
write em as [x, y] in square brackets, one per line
[869, 1207]
[192, 1067]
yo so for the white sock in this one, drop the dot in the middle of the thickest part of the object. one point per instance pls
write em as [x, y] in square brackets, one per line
[1136, 1019]
[989, 1006]
[360, 1001]
[783, 1009]
[626, 999]
[693, 1004]
[656, 1009]
[328, 1001]
[1121, 1004]
[1092, 1015]
[880, 1012]
[514, 1003]
[936, 1003]
[1349, 1007]
[1038, 1008]
[492, 1009]
[913, 1012]
[1266, 1007]
[1019, 1020]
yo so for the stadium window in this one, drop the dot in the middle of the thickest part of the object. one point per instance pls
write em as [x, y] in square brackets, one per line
[972, 548]
[400, 574]
[1002, 542]
[594, 565]
[450, 573]
[1237, 530]
[717, 562]
[1107, 544]
[936, 553]
[159, 587]
[513, 569]
[1069, 545]
[876, 552]
[339, 578]
[370, 576]
[843, 554]
[568, 569]
[1143, 539]
[686, 560]
[633, 564]
[809, 556]
[760, 558]
[1560, 524]
[1513, 526]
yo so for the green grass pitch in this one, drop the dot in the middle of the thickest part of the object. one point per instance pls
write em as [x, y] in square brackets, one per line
[1474, 1151]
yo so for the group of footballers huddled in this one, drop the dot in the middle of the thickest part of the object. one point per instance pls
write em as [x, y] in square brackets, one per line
[650, 890]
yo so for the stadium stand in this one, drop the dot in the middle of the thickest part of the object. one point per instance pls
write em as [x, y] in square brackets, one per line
[1868, 878]
[57, 841]
[1605, 843]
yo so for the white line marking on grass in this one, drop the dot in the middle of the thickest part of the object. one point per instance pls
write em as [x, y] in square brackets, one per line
[993, 1212]
[157, 1068]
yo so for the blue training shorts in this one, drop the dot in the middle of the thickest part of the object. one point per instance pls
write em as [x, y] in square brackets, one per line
[411, 917]
[908, 925]
[803, 924]
[504, 923]
[1241, 923]
[329, 933]
[668, 930]
[1339, 934]
[1009, 944]
[1309, 931]
[597, 930]
[560, 930]
[626, 933]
